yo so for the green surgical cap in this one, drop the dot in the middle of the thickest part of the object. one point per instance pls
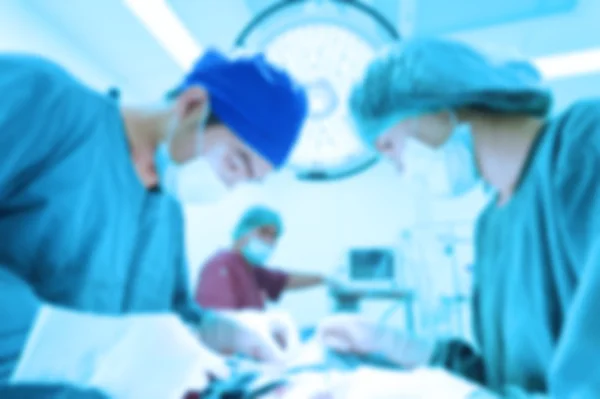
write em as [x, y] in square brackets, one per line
[255, 217]
[425, 75]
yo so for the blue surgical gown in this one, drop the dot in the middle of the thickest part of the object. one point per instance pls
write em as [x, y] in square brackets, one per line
[537, 273]
[77, 228]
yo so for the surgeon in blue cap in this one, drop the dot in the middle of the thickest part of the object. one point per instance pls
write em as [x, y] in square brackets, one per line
[91, 192]
[428, 102]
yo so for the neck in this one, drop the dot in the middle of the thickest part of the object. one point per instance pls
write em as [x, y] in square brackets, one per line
[502, 146]
[145, 130]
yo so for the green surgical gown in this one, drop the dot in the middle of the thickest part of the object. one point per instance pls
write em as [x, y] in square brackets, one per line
[77, 228]
[537, 273]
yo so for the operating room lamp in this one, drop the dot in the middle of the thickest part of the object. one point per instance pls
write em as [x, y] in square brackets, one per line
[326, 45]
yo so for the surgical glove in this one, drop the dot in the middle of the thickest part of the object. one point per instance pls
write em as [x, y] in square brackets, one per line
[351, 333]
[249, 332]
[128, 357]
[285, 330]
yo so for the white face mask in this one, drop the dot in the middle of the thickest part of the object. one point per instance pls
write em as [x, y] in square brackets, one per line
[459, 158]
[448, 171]
[256, 251]
[193, 182]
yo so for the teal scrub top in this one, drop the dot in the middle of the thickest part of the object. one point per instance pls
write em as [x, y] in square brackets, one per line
[77, 228]
[537, 272]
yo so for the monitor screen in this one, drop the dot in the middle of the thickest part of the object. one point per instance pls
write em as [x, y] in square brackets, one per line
[371, 264]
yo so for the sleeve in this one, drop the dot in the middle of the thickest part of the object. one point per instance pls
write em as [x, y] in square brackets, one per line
[216, 286]
[18, 310]
[32, 92]
[459, 357]
[272, 281]
[456, 355]
[183, 301]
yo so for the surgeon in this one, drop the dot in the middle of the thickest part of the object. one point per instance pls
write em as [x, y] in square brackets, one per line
[238, 278]
[537, 268]
[90, 206]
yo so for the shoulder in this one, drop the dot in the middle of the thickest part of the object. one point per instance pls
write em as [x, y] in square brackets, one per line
[220, 265]
[223, 258]
[574, 146]
[30, 73]
[576, 131]
[39, 96]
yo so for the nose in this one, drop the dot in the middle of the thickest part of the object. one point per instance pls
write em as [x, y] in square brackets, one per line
[236, 171]
[386, 147]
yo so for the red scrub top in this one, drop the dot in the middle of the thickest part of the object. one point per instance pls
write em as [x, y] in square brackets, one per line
[228, 281]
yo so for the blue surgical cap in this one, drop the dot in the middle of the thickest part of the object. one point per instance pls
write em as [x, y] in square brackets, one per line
[260, 103]
[256, 217]
[426, 75]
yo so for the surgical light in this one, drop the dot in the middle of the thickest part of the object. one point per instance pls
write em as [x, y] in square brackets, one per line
[327, 59]
[325, 45]
[167, 29]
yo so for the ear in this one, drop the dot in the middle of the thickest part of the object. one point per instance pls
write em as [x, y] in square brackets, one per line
[192, 103]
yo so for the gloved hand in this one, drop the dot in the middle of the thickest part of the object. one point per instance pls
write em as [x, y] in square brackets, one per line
[351, 333]
[129, 357]
[284, 329]
[265, 336]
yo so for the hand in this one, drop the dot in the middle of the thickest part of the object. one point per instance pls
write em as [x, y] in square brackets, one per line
[250, 333]
[284, 329]
[350, 333]
[335, 284]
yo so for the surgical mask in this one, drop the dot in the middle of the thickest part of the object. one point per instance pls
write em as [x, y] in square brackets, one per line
[256, 251]
[194, 182]
[459, 159]
[450, 170]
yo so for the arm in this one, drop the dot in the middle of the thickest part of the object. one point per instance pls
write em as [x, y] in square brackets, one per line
[573, 370]
[458, 357]
[298, 281]
[19, 307]
[183, 302]
[29, 137]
